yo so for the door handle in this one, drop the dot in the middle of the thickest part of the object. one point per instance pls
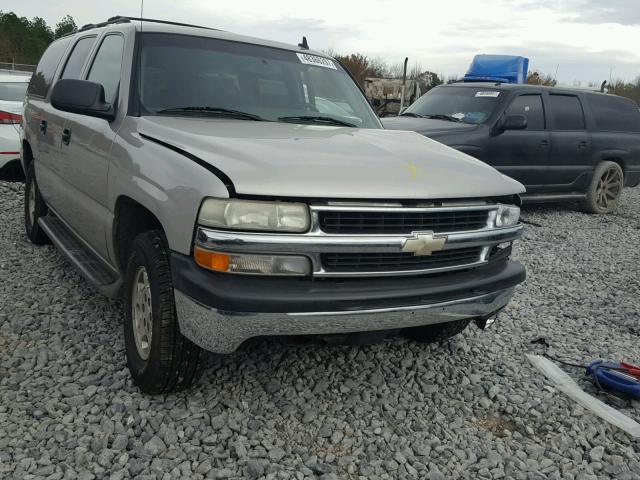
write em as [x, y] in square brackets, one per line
[582, 145]
[43, 126]
[66, 136]
[544, 143]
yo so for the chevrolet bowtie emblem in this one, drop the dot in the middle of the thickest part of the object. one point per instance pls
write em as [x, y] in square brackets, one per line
[423, 244]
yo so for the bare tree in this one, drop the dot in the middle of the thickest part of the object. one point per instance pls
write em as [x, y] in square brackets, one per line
[535, 78]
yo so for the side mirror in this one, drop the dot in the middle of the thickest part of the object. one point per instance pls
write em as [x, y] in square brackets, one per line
[513, 122]
[83, 97]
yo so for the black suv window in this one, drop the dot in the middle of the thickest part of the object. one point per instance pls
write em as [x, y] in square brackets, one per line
[566, 112]
[615, 114]
[107, 64]
[77, 58]
[531, 107]
[46, 69]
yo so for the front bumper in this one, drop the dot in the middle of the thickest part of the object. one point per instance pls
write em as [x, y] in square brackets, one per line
[220, 311]
[222, 332]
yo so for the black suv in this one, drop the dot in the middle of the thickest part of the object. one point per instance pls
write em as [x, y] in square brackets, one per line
[562, 144]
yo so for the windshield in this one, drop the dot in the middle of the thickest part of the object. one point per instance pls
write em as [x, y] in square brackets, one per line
[13, 91]
[197, 76]
[464, 104]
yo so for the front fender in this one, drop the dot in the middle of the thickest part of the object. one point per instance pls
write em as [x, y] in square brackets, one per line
[168, 184]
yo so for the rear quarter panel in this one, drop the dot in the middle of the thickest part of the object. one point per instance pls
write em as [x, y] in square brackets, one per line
[618, 146]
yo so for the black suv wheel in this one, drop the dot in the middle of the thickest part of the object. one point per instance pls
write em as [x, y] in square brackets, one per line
[159, 357]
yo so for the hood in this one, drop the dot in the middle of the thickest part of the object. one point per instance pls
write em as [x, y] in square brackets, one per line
[289, 160]
[427, 126]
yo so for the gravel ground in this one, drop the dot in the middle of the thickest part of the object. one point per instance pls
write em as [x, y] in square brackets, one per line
[468, 408]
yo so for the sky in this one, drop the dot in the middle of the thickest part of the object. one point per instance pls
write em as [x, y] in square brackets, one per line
[583, 40]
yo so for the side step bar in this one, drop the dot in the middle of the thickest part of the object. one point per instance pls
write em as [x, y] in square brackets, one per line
[100, 275]
[552, 197]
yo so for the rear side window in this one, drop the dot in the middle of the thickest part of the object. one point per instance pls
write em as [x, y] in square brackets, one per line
[46, 69]
[566, 112]
[531, 107]
[615, 114]
[77, 58]
[107, 64]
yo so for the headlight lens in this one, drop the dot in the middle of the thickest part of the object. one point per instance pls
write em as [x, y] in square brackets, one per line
[507, 216]
[254, 215]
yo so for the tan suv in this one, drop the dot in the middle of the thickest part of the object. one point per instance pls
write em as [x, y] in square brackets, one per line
[228, 187]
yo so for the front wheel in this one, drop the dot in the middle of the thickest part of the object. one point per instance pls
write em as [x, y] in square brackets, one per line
[605, 188]
[436, 332]
[159, 357]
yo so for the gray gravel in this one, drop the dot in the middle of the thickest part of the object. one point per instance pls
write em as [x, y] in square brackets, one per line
[468, 408]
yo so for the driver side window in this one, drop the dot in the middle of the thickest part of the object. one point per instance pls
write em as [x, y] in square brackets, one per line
[107, 65]
[531, 107]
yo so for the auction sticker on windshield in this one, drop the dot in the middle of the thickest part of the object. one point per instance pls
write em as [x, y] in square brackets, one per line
[315, 60]
[492, 94]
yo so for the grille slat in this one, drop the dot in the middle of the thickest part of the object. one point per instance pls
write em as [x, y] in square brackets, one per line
[383, 262]
[354, 222]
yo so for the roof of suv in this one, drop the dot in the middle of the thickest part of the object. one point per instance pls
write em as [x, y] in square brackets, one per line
[523, 86]
[161, 26]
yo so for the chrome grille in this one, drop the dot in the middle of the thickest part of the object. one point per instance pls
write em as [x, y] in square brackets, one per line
[399, 262]
[399, 222]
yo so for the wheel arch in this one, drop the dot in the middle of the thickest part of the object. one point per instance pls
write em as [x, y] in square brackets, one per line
[619, 160]
[131, 218]
[618, 156]
[26, 155]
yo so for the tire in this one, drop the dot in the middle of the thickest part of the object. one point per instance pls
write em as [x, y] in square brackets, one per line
[605, 188]
[34, 208]
[159, 357]
[436, 332]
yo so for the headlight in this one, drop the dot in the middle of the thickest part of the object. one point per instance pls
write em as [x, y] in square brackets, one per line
[507, 216]
[254, 215]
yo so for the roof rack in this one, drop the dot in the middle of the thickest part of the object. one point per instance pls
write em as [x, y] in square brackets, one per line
[110, 21]
[155, 20]
[123, 19]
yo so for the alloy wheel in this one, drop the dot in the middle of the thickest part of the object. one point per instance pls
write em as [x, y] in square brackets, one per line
[608, 188]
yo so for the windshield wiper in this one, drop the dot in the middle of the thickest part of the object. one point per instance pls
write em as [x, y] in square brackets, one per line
[411, 114]
[213, 111]
[316, 119]
[449, 118]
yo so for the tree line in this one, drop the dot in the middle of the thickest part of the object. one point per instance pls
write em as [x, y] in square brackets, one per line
[23, 41]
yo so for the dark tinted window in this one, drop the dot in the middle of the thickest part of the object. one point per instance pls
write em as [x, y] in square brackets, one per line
[531, 107]
[614, 113]
[46, 69]
[77, 58]
[464, 104]
[566, 112]
[13, 92]
[107, 64]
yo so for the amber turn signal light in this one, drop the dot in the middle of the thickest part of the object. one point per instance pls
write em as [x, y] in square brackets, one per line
[212, 260]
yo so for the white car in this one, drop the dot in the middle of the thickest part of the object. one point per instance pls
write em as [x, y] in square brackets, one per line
[13, 88]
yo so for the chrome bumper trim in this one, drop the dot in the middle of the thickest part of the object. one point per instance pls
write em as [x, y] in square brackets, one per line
[222, 332]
